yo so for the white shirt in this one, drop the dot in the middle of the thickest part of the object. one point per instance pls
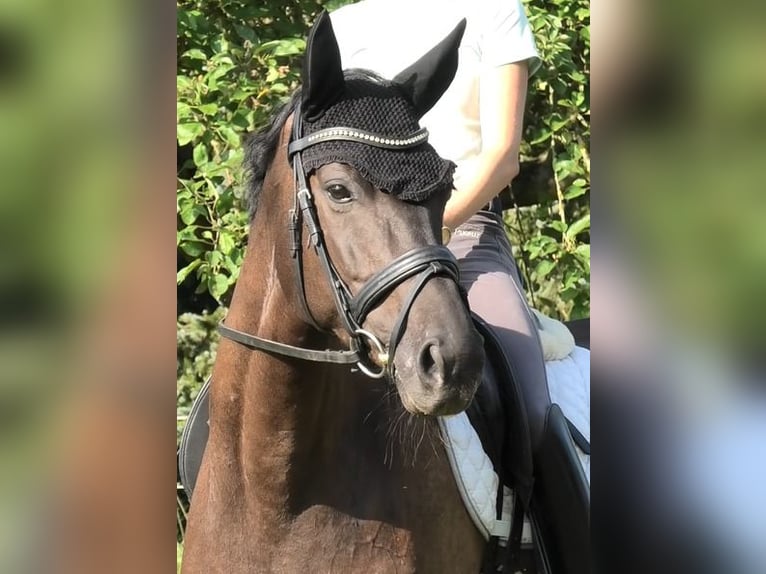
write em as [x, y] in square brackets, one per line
[386, 36]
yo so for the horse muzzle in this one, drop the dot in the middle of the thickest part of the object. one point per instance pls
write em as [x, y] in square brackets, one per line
[440, 375]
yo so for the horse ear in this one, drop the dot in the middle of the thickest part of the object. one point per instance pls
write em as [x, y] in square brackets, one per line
[426, 80]
[322, 74]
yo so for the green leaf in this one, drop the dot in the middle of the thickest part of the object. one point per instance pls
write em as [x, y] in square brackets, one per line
[208, 109]
[574, 191]
[285, 47]
[187, 132]
[242, 94]
[217, 74]
[582, 253]
[544, 267]
[203, 270]
[186, 211]
[183, 110]
[567, 295]
[214, 258]
[556, 125]
[577, 77]
[233, 261]
[217, 285]
[246, 33]
[183, 83]
[186, 234]
[564, 167]
[190, 211]
[183, 273]
[578, 226]
[194, 248]
[223, 60]
[543, 136]
[331, 5]
[280, 88]
[225, 242]
[229, 135]
[194, 54]
[200, 155]
[558, 225]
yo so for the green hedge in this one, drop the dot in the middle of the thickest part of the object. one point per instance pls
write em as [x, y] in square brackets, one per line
[196, 342]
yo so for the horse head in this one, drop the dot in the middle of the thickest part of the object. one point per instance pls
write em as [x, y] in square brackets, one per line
[363, 187]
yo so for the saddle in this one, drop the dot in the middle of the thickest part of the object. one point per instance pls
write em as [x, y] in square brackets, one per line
[547, 481]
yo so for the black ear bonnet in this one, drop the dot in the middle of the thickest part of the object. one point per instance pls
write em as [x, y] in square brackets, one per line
[358, 99]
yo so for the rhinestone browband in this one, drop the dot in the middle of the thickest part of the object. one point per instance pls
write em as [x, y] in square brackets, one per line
[361, 136]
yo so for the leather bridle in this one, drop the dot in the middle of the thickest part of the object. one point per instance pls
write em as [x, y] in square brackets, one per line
[422, 263]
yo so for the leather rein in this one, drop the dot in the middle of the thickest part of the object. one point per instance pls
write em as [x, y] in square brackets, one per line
[422, 263]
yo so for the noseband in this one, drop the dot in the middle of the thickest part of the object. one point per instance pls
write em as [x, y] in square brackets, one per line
[422, 263]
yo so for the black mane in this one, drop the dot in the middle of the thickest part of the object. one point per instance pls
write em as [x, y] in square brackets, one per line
[261, 146]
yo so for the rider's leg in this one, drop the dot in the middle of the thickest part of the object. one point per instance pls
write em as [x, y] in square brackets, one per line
[490, 275]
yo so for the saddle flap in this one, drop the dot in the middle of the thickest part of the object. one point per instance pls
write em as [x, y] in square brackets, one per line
[499, 415]
[560, 507]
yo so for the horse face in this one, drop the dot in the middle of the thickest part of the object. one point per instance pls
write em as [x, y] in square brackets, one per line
[439, 359]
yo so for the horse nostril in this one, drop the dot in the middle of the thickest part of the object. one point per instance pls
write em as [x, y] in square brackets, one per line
[431, 363]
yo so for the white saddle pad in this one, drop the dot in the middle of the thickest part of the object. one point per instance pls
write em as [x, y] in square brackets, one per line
[569, 383]
[569, 386]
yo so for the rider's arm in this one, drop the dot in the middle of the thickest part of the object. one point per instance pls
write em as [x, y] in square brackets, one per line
[478, 180]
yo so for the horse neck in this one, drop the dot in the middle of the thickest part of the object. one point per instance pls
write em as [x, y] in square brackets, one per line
[286, 422]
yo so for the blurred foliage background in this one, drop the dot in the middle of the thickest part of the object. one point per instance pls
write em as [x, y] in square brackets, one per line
[238, 59]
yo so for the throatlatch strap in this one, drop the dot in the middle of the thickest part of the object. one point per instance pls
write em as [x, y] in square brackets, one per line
[337, 357]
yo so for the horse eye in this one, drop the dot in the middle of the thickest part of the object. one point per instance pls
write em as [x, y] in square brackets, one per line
[339, 193]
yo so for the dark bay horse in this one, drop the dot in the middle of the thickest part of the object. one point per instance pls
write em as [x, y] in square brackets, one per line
[311, 466]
